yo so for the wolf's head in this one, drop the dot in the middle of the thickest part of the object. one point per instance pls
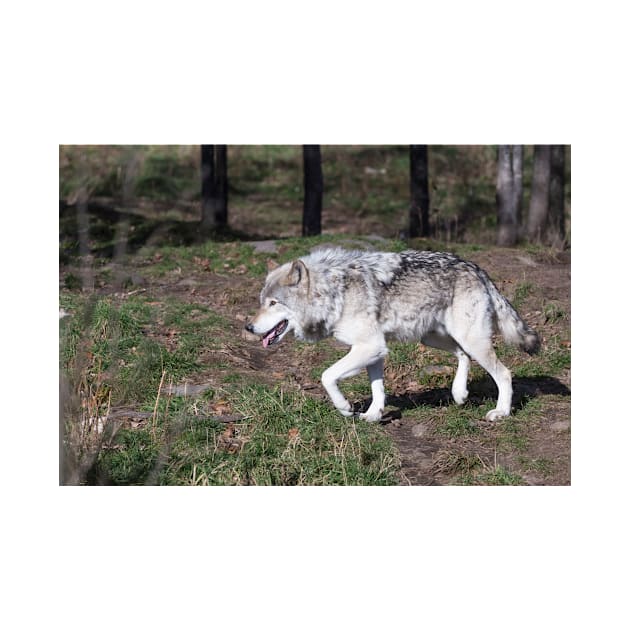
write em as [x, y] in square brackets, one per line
[283, 301]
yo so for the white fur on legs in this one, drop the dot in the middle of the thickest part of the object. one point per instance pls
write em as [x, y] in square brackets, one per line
[482, 351]
[375, 411]
[359, 357]
[503, 378]
[459, 388]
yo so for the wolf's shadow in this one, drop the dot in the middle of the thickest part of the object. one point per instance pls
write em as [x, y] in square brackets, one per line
[480, 389]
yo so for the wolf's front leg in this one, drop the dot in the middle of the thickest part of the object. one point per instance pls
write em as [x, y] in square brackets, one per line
[330, 377]
[359, 357]
[375, 411]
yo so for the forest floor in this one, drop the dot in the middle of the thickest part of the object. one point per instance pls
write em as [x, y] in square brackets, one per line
[431, 440]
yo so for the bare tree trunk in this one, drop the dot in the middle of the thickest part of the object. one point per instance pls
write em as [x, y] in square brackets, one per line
[539, 201]
[83, 235]
[517, 172]
[313, 190]
[213, 187]
[509, 193]
[419, 188]
[221, 184]
[556, 232]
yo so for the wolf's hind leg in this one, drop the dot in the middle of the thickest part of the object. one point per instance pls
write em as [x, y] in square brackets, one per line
[375, 411]
[481, 350]
[459, 388]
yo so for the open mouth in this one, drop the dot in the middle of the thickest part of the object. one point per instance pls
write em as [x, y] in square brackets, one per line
[275, 333]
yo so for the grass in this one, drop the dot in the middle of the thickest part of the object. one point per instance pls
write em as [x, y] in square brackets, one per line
[521, 293]
[470, 470]
[123, 350]
[286, 438]
[133, 341]
[283, 438]
[453, 421]
[498, 476]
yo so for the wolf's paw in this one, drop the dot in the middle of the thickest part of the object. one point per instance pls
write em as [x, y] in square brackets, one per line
[371, 416]
[460, 397]
[346, 411]
[496, 414]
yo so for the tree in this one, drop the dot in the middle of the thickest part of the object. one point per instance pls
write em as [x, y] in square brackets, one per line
[213, 186]
[313, 190]
[419, 188]
[509, 193]
[539, 201]
[556, 232]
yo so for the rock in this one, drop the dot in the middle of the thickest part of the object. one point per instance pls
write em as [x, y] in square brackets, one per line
[419, 430]
[187, 282]
[187, 389]
[137, 280]
[561, 425]
[527, 261]
[264, 247]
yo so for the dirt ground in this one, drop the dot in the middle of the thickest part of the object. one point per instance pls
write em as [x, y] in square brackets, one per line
[542, 453]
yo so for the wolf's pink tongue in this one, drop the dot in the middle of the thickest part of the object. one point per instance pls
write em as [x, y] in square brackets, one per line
[267, 339]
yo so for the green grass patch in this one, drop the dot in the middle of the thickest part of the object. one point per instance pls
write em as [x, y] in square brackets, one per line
[129, 461]
[284, 438]
[128, 344]
[498, 476]
[117, 351]
[210, 257]
[554, 359]
[540, 465]
[553, 312]
[522, 291]
[458, 421]
[404, 354]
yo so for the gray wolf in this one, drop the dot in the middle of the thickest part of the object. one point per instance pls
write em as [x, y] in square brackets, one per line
[365, 298]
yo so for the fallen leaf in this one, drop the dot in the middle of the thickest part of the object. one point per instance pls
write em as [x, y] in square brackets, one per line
[221, 408]
[204, 263]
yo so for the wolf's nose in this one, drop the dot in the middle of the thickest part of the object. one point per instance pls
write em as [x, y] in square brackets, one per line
[249, 328]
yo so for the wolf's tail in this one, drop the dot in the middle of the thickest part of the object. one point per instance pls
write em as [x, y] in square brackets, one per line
[513, 328]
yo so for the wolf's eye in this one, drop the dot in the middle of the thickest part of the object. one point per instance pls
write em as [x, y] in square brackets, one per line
[272, 303]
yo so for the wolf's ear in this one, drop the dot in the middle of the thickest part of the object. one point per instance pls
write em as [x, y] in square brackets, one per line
[297, 274]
